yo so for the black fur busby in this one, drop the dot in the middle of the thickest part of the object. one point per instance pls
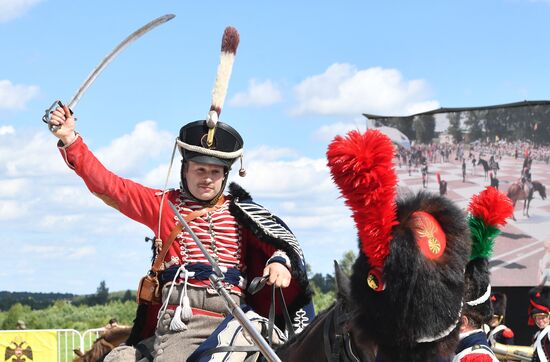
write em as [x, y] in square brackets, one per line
[499, 301]
[539, 300]
[408, 281]
[488, 210]
[477, 305]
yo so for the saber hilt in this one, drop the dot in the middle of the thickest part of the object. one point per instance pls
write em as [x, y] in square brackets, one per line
[216, 279]
[47, 115]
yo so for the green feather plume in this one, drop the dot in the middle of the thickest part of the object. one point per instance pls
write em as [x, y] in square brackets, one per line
[483, 238]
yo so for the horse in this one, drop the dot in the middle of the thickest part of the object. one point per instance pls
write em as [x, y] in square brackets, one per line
[485, 165]
[331, 336]
[517, 191]
[110, 339]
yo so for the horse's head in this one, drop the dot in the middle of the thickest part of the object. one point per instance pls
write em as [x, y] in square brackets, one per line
[110, 339]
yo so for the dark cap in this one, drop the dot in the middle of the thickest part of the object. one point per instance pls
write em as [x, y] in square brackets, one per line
[226, 145]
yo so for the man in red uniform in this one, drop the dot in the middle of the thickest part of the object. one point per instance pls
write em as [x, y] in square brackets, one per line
[244, 238]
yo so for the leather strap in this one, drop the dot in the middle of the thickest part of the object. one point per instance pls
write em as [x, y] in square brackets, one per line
[176, 230]
[165, 246]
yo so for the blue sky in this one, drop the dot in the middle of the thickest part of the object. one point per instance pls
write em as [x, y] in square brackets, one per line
[304, 72]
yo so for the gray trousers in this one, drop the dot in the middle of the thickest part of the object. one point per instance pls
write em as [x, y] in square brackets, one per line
[170, 346]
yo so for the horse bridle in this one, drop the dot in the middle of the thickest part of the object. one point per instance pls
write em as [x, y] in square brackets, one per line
[342, 345]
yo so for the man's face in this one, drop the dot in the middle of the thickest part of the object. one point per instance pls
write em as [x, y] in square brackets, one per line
[204, 181]
[541, 320]
[495, 321]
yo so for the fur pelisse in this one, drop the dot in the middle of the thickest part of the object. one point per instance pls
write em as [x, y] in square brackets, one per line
[422, 297]
[361, 166]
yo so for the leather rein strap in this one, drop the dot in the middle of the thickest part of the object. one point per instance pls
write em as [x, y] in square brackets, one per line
[341, 347]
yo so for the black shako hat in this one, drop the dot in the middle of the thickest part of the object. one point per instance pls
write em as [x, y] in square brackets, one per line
[539, 300]
[225, 148]
[498, 301]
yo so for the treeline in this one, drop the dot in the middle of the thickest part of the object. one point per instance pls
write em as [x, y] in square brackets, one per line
[82, 312]
[33, 300]
[37, 301]
[520, 123]
[64, 315]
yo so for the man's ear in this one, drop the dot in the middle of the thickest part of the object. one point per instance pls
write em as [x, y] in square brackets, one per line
[464, 323]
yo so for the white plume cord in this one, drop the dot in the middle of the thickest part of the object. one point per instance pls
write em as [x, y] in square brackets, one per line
[206, 151]
[481, 299]
[444, 333]
[165, 303]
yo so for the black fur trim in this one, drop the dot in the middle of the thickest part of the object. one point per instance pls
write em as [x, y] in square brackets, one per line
[298, 266]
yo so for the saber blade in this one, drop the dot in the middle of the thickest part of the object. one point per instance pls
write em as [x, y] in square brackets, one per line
[103, 64]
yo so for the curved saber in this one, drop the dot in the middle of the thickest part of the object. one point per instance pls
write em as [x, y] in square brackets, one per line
[105, 61]
[99, 68]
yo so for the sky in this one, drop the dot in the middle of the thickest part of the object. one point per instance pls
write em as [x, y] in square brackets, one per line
[304, 72]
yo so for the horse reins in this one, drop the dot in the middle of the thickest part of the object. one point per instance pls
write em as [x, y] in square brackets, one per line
[342, 345]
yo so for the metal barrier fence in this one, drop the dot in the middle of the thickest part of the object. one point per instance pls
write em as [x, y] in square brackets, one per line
[67, 341]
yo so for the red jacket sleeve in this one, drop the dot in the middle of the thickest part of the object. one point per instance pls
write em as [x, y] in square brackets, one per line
[136, 201]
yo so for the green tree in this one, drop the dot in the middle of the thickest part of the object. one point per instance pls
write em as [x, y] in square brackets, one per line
[424, 127]
[127, 296]
[346, 263]
[475, 125]
[15, 313]
[454, 126]
[102, 293]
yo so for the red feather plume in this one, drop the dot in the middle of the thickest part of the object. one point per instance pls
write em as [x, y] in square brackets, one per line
[491, 206]
[361, 166]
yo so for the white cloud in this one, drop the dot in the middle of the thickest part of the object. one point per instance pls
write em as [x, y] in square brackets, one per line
[131, 152]
[15, 97]
[11, 9]
[79, 253]
[12, 187]
[6, 130]
[257, 94]
[344, 90]
[35, 155]
[276, 178]
[11, 210]
[327, 132]
[58, 251]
